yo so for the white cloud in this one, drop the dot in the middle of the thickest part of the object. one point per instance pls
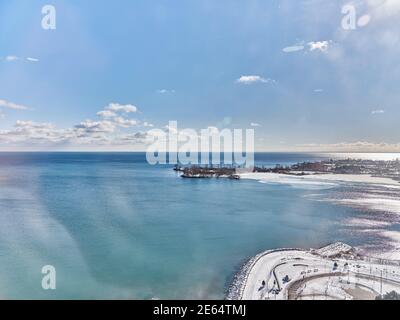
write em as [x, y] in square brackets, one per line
[253, 79]
[147, 124]
[109, 131]
[12, 105]
[127, 108]
[115, 114]
[322, 46]
[12, 58]
[293, 49]
[318, 90]
[106, 114]
[166, 91]
[380, 111]
[30, 132]
[253, 124]
[33, 125]
[138, 137]
[32, 59]
[90, 126]
[125, 123]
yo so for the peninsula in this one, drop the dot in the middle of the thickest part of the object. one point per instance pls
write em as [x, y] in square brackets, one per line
[348, 170]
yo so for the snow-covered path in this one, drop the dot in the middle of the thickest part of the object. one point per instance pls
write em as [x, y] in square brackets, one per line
[324, 273]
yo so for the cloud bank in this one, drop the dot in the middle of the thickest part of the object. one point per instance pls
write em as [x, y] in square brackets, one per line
[359, 146]
[109, 130]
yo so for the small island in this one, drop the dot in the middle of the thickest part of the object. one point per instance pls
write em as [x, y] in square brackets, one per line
[197, 172]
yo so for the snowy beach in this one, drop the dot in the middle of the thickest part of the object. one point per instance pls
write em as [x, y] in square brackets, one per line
[321, 179]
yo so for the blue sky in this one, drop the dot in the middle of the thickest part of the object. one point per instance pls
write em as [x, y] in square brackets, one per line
[286, 68]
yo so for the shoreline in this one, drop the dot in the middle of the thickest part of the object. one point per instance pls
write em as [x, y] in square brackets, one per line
[329, 178]
[247, 284]
[237, 286]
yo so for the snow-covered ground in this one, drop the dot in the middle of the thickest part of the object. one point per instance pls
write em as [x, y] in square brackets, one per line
[333, 272]
[333, 250]
[319, 179]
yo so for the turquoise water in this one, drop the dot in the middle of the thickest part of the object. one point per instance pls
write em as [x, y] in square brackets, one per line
[116, 228]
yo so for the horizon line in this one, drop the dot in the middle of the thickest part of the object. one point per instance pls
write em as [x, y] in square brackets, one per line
[131, 151]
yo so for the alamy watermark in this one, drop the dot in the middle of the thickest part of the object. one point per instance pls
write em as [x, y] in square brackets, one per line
[210, 146]
[49, 19]
[350, 20]
[49, 278]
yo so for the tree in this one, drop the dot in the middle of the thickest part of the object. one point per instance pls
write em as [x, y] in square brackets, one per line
[393, 295]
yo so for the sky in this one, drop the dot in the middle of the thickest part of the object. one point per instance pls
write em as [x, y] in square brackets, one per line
[306, 75]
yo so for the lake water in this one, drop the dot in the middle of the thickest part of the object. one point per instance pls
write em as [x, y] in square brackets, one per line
[115, 227]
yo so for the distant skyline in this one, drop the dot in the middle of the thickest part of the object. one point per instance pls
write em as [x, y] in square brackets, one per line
[290, 70]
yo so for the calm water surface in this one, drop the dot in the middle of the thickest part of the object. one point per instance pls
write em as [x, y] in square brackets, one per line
[115, 227]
